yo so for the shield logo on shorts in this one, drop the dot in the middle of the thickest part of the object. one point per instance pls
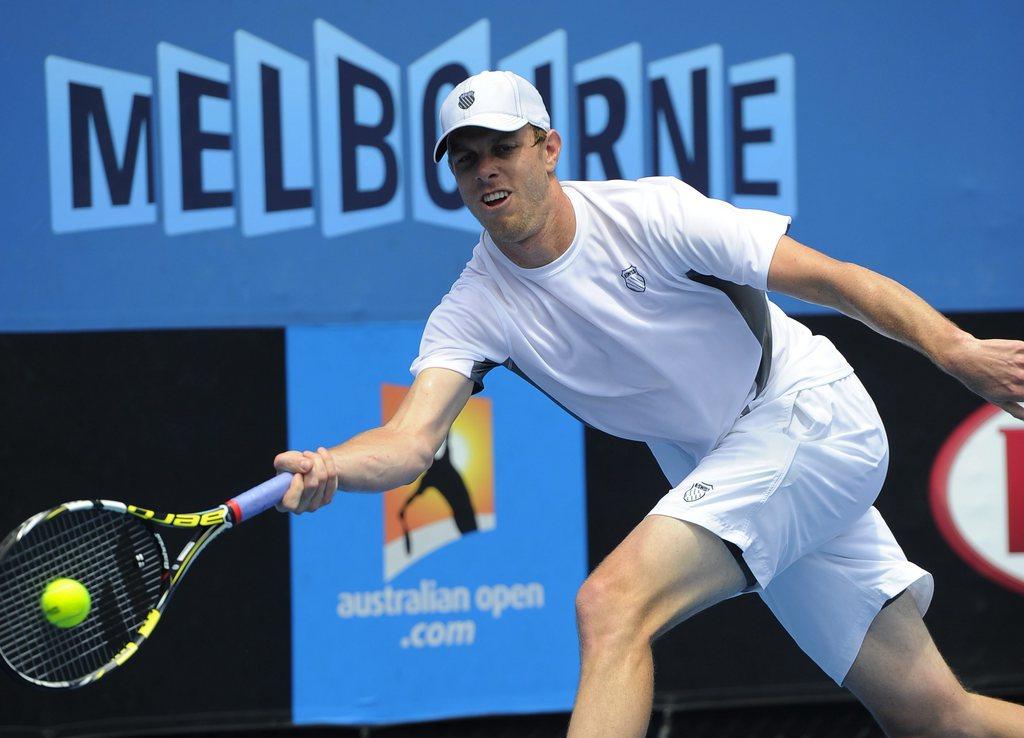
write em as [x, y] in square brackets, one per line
[466, 99]
[698, 490]
[634, 279]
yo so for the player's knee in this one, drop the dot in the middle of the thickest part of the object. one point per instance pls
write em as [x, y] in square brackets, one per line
[607, 612]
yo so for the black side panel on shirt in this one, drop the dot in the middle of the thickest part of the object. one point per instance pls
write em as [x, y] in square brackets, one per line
[753, 306]
[480, 368]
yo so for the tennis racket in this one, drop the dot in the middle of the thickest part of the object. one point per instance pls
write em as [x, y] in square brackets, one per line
[115, 552]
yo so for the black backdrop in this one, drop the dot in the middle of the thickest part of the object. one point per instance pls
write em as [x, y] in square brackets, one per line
[181, 419]
[177, 420]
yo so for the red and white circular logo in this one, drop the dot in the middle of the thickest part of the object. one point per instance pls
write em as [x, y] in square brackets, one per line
[977, 494]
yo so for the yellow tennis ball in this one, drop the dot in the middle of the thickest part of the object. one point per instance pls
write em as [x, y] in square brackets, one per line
[65, 602]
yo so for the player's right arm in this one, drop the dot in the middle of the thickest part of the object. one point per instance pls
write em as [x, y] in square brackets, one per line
[385, 457]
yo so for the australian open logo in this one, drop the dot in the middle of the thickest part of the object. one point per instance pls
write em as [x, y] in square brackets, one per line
[634, 279]
[698, 490]
[466, 99]
[452, 499]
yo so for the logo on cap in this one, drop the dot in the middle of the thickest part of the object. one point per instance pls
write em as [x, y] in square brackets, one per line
[466, 99]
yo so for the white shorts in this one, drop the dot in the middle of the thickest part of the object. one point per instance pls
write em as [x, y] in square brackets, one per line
[792, 484]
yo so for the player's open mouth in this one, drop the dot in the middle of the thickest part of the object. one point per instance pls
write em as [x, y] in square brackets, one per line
[495, 199]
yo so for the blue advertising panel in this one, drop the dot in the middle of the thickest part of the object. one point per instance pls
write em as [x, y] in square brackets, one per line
[545, 63]
[275, 137]
[80, 198]
[196, 158]
[609, 105]
[216, 164]
[452, 595]
[359, 121]
[687, 119]
[764, 134]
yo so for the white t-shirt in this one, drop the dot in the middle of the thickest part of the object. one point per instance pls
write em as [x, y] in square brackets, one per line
[652, 326]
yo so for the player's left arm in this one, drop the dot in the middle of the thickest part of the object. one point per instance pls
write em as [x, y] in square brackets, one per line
[994, 369]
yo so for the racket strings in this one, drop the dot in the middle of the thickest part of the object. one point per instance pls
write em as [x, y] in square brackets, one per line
[114, 556]
[17, 565]
[42, 646]
[38, 642]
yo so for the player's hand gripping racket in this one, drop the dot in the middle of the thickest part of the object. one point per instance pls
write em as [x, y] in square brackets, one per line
[106, 559]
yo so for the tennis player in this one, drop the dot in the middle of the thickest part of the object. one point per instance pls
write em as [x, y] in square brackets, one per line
[640, 307]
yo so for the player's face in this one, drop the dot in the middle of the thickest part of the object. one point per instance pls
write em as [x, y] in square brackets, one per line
[503, 179]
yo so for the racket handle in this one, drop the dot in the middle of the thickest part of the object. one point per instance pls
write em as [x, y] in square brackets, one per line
[260, 498]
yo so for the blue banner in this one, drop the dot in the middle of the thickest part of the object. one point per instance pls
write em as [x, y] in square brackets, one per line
[452, 595]
[215, 164]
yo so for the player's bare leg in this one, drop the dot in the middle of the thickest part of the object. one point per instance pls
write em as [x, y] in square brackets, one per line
[902, 679]
[663, 572]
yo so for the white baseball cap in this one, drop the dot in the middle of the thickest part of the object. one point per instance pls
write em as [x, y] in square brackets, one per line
[501, 101]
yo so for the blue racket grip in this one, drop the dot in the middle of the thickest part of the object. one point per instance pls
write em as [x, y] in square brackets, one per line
[260, 498]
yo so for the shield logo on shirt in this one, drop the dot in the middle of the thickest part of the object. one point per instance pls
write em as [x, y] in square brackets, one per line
[634, 279]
